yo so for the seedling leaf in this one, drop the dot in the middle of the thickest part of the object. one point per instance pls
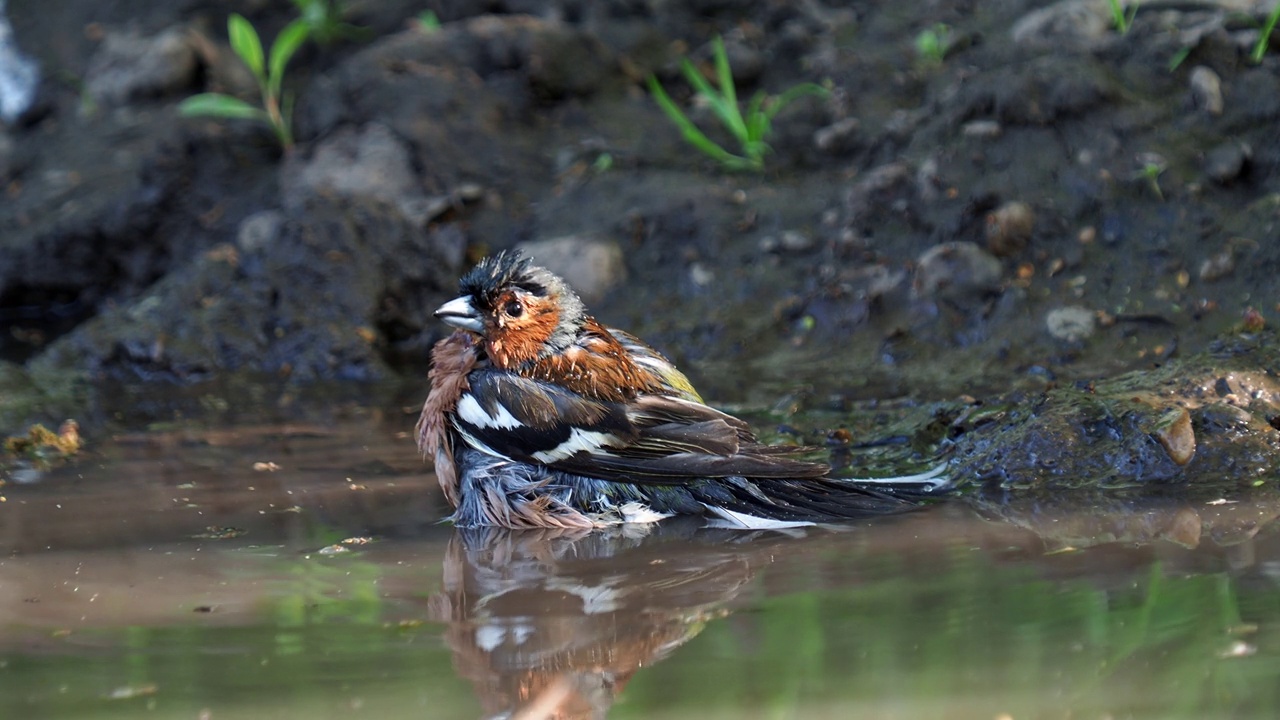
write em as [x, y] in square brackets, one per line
[245, 43]
[219, 105]
[282, 50]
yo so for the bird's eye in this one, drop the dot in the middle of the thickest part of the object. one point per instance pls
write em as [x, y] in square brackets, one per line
[514, 309]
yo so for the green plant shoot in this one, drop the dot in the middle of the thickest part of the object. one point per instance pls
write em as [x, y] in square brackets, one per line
[1122, 16]
[751, 130]
[933, 43]
[268, 71]
[324, 21]
[1264, 40]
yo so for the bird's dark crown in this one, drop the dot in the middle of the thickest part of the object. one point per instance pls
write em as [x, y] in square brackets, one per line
[507, 269]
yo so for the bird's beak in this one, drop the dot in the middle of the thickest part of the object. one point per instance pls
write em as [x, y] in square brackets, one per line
[460, 313]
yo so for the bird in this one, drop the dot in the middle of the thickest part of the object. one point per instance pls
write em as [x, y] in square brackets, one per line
[539, 416]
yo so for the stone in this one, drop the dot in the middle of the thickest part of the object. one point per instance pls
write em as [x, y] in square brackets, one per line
[259, 230]
[1206, 89]
[957, 271]
[1173, 430]
[1009, 228]
[369, 162]
[129, 66]
[1226, 163]
[591, 266]
[1071, 324]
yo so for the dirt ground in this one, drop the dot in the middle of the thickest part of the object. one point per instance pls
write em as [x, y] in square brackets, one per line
[1039, 206]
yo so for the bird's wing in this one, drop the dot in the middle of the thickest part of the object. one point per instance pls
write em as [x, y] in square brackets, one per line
[654, 439]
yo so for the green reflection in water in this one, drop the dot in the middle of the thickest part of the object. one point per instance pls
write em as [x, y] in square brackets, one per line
[982, 641]
[847, 631]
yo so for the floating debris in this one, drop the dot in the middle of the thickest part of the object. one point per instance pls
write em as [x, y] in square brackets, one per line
[44, 447]
[218, 532]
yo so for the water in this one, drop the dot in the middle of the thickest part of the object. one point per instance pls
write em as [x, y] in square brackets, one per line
[163, 576]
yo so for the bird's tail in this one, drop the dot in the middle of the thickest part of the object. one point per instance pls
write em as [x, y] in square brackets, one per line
[771, 503]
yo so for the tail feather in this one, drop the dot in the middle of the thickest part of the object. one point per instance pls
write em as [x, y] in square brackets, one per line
[799, 501]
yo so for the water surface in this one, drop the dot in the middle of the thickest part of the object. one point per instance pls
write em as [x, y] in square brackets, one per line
[203, 573]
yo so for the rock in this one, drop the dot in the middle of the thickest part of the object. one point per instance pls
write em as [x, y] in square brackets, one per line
[1226, 162]
[982, 129]
[19, 75]
[1173, 430]
[1071, 324]
[259, 230]
[1219, 265]
[1078, 24]
[128, 66]
[369, 162]
[1206, 89]
[837, 137]
[869, 192]
[309, 304]
[1009, 228]
[957, 271]
[591, 267]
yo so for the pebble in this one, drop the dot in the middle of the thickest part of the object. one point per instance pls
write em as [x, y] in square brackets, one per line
[259, 230]
[1175, 433]
[128, 66]
[956, 271]
[1218, 266]
[1226, 162]
[366, 162]
[1206, 89]
[1071, 324]
[839, 136]
[591, 266]
[982, 129]
[1072, 24]
[1009, 228]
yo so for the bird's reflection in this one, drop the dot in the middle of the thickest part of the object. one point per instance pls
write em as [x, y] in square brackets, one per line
[553, 623]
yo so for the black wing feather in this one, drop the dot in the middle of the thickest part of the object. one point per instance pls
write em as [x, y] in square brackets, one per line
[660, 440]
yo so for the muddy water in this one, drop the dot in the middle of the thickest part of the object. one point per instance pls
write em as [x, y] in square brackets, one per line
[203, 574]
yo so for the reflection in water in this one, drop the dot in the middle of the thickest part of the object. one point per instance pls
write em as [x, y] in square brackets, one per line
[553, 623]
[1186, 518]
[118, 599]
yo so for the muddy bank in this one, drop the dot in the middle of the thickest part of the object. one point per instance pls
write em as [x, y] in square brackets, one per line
[1046, 202]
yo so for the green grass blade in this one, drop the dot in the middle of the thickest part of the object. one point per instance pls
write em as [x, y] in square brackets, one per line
[792, 94]
[725, 110]
[282, 50]
[219, 105]
[691, 133]
[757, 121]
[699, 83]
[245, 43]
[1264, 41]
[724, 74]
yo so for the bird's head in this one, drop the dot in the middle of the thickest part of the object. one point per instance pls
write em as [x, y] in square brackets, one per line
[521, 311]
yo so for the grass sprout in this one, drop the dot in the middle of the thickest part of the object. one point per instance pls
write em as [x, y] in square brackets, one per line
[267, 70]
[751, 129]
[933, 43]
[1264, 41]
[324, 21]
[1122, 15]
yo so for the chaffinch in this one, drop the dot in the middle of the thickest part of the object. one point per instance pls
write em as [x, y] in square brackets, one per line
[539, 416]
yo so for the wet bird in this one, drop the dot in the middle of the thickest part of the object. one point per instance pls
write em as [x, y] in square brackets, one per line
[539, 416]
